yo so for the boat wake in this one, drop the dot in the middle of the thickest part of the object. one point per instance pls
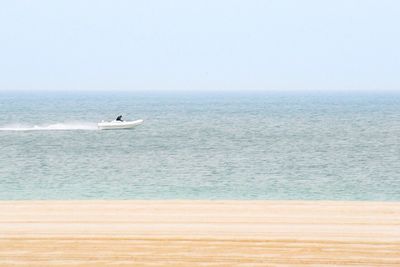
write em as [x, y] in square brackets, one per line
[50, 127]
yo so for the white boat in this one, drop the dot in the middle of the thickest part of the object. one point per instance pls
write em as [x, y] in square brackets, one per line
[109, 125]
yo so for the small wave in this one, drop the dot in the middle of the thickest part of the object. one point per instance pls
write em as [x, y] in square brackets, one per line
[50, 127]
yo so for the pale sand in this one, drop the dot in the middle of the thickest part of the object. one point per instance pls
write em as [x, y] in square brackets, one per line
[199, 233]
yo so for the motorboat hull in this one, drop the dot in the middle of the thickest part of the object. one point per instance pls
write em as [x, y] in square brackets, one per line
[114, 125]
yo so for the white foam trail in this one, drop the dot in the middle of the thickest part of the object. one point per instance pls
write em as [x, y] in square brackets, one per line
[51, 127]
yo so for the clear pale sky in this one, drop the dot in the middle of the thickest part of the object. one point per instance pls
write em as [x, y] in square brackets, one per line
[200, 45]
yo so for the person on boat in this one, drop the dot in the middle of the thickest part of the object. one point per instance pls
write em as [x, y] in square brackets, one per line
[119, 118]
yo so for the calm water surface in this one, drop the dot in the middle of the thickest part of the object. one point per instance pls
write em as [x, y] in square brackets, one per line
[201, 146]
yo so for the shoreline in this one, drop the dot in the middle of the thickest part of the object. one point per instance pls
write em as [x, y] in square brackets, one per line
[199, 232]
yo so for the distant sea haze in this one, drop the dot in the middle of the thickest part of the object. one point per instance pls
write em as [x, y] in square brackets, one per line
[201, 146]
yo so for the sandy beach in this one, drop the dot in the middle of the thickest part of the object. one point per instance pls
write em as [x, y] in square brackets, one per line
[199, 233]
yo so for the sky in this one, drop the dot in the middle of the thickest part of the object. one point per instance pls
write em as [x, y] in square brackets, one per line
[210, 45]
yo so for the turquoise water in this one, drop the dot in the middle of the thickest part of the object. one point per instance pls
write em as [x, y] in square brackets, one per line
[201, 146]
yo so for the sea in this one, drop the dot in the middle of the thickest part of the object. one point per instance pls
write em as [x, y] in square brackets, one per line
[204, 145]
